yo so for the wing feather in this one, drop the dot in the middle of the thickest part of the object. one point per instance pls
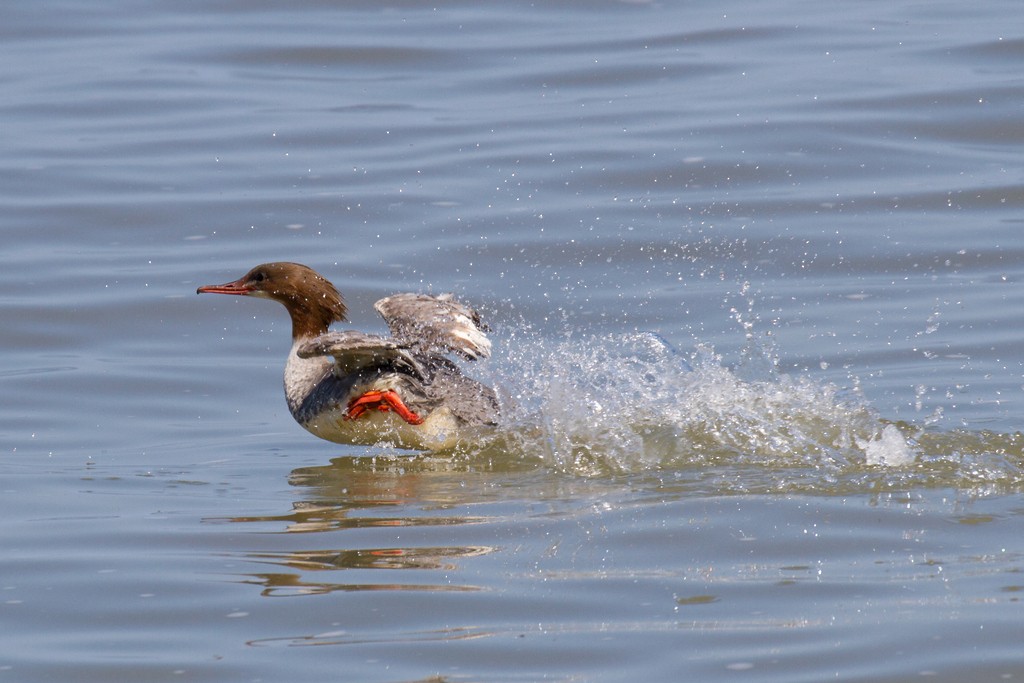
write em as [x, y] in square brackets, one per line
[435, 324]
[357, 351]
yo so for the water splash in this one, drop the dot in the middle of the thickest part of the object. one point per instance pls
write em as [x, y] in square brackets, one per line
[630, 403]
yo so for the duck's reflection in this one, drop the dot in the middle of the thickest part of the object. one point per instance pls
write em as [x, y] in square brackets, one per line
[386, 497]
[278, 584]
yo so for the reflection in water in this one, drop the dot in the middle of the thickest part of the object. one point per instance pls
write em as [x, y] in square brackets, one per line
[376, 558]
[289, 585]
[357, 492]
[314, 517]
[382, 491]
[345, 638]
[397, 479]
[277, 584]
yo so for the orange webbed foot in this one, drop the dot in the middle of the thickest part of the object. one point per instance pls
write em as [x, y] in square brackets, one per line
[383, 401]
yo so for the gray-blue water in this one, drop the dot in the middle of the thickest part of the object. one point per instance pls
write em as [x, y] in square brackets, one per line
[819, 206]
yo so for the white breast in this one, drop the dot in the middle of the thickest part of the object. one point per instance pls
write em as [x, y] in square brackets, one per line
[438, 432]
[301, 375]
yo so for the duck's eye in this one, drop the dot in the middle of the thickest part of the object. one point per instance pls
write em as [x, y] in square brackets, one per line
[258, 277]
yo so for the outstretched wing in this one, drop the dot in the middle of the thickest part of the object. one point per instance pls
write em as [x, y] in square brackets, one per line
[357, 351]
[435, 324]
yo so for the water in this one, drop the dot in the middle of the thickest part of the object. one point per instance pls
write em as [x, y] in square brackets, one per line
[753, 275]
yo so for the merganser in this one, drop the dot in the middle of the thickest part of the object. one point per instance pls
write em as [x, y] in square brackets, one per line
[357, 388]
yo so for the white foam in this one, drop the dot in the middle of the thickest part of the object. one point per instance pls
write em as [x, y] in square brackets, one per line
[890, 449]
[631, 403]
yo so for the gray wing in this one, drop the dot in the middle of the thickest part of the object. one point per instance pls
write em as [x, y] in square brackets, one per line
[356, 351]
[435, 324]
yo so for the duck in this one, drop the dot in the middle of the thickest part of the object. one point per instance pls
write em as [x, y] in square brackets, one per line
[358, 388]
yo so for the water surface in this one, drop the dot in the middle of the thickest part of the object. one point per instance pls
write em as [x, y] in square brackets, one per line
[752, 273]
